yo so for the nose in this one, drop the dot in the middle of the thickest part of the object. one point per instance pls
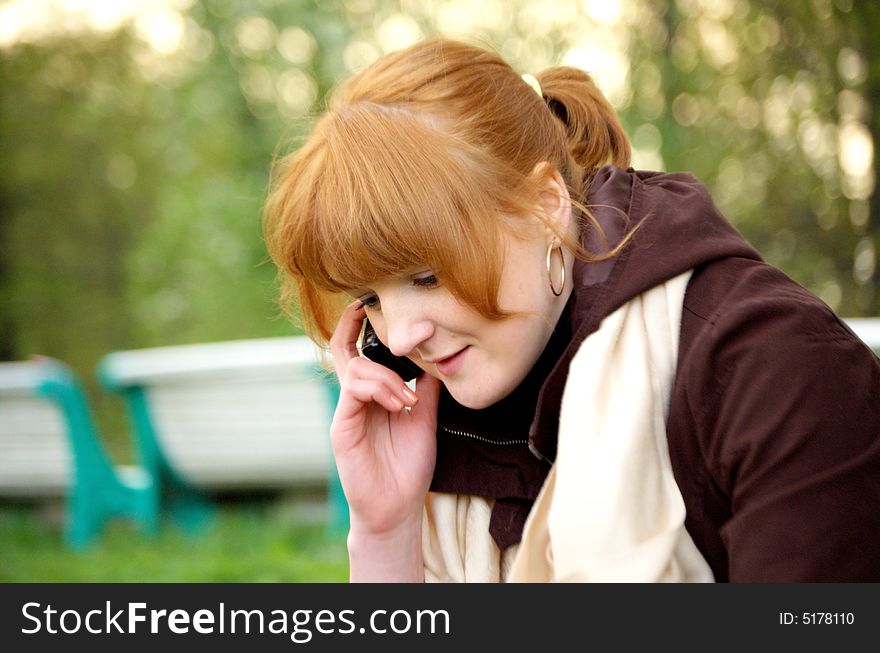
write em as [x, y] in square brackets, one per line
[407, 326]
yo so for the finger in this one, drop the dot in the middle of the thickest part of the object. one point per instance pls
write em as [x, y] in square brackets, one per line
[428, 392]
[364, 368]
[366, 381]
[355, 399]
[343, 342]
[359, 392]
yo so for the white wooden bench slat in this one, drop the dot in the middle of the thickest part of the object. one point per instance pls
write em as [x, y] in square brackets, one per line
[278, 356]
[244, 428]
[237, 413]
[18, 378]
[35, 456]
[866, 328]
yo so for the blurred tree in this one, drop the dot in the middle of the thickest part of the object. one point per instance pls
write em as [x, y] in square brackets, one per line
[135, 163]
[770, 104]
[201, 272]
[77, 182]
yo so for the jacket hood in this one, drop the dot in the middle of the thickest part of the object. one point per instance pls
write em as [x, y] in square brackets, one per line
[480, 452]
[677, 228]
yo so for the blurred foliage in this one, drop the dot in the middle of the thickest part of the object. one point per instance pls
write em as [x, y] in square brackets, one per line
[773, 105]
[135, 161]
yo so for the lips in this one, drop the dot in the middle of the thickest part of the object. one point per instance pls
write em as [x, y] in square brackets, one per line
[450, 365]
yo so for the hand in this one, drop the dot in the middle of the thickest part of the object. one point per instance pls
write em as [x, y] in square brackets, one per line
[383, 436]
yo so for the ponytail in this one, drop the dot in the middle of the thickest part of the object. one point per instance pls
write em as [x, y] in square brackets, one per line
[594, 134]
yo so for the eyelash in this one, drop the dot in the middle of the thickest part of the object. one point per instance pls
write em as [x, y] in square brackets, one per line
[429, 281]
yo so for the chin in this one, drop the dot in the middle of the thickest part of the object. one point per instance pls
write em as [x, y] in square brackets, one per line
[475, 400]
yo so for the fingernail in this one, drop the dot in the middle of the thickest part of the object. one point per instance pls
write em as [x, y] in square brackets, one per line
[409, 394]
[397, 402]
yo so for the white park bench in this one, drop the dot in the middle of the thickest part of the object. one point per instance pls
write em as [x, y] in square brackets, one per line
[50, 447]
[868, 329]
[206, 418]
[229, 416]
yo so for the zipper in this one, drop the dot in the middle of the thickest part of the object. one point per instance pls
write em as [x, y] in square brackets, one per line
[482, 439]
[537, 454]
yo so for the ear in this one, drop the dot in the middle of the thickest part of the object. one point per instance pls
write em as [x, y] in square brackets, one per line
[555, 200]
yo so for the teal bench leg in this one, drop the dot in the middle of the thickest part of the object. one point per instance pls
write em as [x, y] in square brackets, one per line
[184, 504]
[99, 490]
[338, 518]
[94, 500]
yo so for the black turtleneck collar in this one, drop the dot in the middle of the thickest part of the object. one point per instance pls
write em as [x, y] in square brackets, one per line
[486, 452]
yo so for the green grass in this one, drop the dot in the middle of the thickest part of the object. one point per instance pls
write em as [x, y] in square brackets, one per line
[247, 541]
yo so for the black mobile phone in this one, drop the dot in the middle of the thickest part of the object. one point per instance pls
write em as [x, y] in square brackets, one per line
[372, 348]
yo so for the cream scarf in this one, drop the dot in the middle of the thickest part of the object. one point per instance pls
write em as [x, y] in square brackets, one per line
[610, 510]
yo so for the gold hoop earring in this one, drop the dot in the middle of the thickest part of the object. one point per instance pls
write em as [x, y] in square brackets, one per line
[554, 245]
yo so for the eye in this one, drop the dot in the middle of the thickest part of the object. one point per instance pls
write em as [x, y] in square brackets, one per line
[425, 280]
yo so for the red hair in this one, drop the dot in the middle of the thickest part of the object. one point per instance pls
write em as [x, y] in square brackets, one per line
[419, 159]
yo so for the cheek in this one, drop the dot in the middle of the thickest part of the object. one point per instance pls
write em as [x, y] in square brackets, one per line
[519, 347]
[513, 347]
[524, 287]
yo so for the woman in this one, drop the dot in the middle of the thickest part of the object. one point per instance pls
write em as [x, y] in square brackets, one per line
[615, 386]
